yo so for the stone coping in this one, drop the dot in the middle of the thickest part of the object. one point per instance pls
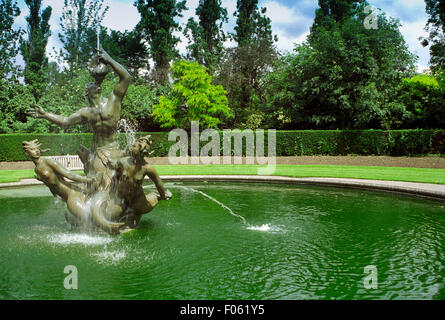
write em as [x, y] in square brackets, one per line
[433, 162]
[434, 191]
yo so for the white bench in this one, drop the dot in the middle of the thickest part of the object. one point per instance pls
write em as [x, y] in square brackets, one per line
[70, 162]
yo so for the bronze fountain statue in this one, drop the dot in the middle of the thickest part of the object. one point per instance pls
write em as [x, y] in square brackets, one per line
[110, 195]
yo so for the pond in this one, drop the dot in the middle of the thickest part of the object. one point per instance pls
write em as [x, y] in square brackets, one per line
[297, 242]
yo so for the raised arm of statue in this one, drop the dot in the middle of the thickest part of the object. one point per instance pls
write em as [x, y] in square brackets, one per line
[76, 118]
[125, 78]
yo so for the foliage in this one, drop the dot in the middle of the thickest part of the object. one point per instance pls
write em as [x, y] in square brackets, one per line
[79, 23]
[360, 142]
[193, 98]
[128, 49]
[137, 106]
[64, 98]
[423, 97]
[343, 77]
[244, 67]
[33, 49]
[206, 37]
[15, 99]
[157, 27]
[63, 144]
[435, 26]
[251, 23]
[8, 37]
[254, 121]
[289, 143]
[331, 12]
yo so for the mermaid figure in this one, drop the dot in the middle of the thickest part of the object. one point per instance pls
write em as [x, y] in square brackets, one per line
[62, 183]
[127, 202]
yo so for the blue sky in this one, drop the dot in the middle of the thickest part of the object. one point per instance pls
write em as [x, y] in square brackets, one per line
[291, 19]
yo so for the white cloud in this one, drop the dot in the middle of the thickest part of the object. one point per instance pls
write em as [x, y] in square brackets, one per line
[121, 16]
[412, 31]
[405, 10]
[281, 14]
[288, 23]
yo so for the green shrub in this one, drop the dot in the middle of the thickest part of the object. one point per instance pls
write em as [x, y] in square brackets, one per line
[289, 143]
[423, 96]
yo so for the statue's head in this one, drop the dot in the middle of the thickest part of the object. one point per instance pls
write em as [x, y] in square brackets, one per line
[32, 148]
[141, 147]
[93, 91]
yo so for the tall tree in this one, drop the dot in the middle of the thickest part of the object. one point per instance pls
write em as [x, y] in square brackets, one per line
[79, 23]
[157, 26]
[334, 11]
[34, 47]
[206, 37]
[436, 28]
[245, 65]
[128, 49]
[245, 22]
[8, 36]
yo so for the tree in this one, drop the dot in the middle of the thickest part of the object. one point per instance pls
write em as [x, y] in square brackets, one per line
[331, 12]
[33, 49]
[8, 36]
[79, 23]
[15, 100]
[193, 98]
[245, 22]
[346, 77]
[436, 28]
[206, 37]
[244, 66]
[157, 27]
[128, 49]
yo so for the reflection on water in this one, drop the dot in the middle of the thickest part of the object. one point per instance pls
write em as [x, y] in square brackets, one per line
[299, 243]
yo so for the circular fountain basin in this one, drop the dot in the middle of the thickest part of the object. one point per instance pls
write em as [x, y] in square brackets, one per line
[297, 242]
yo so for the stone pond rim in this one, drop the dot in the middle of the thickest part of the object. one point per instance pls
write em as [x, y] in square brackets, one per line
[425, 190]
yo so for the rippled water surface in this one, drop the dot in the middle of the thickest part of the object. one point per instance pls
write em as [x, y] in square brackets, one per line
[297, 243]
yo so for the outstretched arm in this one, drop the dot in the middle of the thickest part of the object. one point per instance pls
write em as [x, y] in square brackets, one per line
[60, 170]
[121, 88]
[154, 176]
[75, 118]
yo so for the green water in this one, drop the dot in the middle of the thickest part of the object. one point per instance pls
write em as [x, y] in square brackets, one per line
[299, 243]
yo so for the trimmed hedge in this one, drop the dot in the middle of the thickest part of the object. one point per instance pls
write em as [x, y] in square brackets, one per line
[63, 144]
[289, 143]
[361, 142]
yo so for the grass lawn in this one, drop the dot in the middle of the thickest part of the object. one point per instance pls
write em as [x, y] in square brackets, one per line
[319, 171]
[15, 175]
